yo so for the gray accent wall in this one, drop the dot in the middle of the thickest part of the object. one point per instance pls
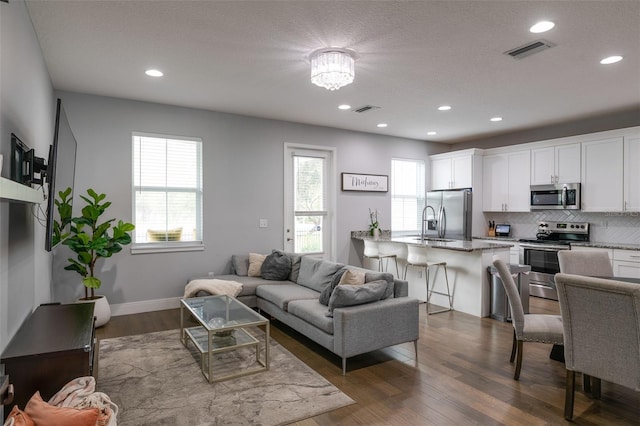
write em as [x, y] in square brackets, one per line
[27, 108]
[243, 182]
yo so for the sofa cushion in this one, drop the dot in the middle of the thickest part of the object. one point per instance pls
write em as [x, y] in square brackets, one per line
[240, 264]
[312, 312]
[255, 264]
[317, 273]
[351, 295]
[281, 294]
[276, 266]
[371, 276]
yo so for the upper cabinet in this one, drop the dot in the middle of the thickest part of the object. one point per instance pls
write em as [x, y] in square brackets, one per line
[632, 173]
[555, 164]
[452, 171]
[602, 175]
[506, 182]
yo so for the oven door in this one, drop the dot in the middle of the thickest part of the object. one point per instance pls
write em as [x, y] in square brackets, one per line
[543, 260]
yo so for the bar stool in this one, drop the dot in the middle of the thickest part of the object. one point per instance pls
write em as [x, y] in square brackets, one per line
[372, 251]
[417, 257]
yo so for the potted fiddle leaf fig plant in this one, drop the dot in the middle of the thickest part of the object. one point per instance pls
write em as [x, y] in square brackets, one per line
[91, 238]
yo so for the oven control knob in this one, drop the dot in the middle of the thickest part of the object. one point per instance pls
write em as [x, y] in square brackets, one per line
[573, 226]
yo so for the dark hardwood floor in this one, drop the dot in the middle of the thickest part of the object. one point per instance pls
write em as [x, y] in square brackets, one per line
[462, 376]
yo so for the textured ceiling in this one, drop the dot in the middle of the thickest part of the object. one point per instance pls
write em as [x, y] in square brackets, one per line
[250, 57]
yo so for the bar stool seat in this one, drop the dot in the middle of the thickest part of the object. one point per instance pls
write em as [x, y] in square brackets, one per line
[372, 251]
[417, 257]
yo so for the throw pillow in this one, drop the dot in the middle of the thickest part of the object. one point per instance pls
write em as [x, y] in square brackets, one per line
[240, 264]
[295, 266]
[388, 277]
[352, 277]
[44, 414]
[316, 273]
[255, 264]
[325, 294]
[351, 295]
[276, 266]
[17, 417]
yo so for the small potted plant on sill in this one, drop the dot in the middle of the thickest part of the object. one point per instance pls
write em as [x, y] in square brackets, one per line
[91, 240]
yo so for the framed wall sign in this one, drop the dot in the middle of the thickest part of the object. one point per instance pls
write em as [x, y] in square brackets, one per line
[360, 182]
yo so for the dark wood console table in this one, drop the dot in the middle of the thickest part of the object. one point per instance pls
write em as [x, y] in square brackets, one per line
[55, 344]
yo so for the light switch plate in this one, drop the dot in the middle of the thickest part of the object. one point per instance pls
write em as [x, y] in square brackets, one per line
[264, 223]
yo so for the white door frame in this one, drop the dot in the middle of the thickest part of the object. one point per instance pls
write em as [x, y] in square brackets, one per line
[331, 188]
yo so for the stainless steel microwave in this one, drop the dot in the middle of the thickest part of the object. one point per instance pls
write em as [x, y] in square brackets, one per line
[555, 197]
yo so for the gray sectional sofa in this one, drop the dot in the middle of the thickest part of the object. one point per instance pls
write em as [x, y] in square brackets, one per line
[352, 330]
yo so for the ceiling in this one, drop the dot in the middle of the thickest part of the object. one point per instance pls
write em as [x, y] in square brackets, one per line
[251, 58]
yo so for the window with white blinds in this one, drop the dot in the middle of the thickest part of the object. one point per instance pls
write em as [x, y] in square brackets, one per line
[167, 191]
[407, 195]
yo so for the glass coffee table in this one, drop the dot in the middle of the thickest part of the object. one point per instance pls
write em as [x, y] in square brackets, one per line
[223, 327]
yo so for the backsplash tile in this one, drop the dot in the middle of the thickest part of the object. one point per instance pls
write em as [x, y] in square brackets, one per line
[612, 227]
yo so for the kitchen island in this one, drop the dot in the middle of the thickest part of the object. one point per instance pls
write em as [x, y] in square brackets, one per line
[467, 263]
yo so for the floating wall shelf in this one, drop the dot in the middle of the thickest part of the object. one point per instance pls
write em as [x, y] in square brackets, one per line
[16, 192]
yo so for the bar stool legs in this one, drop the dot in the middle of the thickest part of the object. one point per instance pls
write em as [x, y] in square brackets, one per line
[431, 291]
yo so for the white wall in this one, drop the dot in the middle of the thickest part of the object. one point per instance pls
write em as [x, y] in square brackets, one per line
[243, 182]
[26, 109]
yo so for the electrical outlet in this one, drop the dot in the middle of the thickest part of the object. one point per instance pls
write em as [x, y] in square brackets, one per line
[264, 223]
[210, 274]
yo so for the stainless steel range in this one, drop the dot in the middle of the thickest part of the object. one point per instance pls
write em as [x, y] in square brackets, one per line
[541, 253]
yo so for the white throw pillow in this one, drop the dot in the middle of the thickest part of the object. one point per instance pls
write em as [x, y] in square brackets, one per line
[255, 264]
[352, 277]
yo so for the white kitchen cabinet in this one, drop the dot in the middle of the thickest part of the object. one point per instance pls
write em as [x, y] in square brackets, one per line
[506, 181]
[632, 173]
[453, 172]
[626, 263]
[602, 175]
[556, 164]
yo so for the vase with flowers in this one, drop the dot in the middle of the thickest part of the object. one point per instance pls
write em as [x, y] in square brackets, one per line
[374, 225]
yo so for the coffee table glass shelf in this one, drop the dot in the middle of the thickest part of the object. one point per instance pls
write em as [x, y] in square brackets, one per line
[223, 327]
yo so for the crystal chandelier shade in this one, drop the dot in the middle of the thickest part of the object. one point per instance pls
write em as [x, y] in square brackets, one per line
[332, 68]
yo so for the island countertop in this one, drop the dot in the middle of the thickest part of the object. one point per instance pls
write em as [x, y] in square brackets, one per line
[457, 245]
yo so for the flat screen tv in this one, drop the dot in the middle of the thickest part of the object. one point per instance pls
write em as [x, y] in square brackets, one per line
[60, 176]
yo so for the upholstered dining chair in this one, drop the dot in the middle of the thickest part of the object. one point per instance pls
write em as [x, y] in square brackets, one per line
[589, 263]
[601, 332]
[540, 328]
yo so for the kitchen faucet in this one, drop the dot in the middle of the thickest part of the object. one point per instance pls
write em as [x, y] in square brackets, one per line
[424, 220]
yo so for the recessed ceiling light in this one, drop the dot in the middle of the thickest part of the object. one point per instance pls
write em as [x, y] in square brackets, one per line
[444, 108]
[344, 106]
[382, 125]
[542, 27]
[496, 118]
[154, 73]
[432, 133]
[611, 60]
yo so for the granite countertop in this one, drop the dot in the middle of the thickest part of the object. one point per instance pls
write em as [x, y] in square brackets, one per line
[457, 245]
[511, 239]
[598, 244]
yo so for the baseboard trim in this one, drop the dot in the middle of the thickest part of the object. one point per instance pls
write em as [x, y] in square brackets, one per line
[118, 309]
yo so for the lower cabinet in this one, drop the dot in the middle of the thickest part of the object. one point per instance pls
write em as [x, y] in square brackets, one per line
[626, 263]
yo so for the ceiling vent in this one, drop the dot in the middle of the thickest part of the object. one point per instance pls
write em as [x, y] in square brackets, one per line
[529, 49]
[365, 108]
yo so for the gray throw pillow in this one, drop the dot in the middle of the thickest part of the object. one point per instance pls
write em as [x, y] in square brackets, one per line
[388, 277]
[295, 265]
[240, 264]
[316, 273]
[276, 266]
[352, 295]
[325, 294]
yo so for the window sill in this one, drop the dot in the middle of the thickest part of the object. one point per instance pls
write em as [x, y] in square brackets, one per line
[148, 248]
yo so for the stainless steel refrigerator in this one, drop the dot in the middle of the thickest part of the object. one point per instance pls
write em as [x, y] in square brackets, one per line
[448, 214]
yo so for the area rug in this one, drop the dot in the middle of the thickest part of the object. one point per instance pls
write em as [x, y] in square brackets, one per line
[155, 380]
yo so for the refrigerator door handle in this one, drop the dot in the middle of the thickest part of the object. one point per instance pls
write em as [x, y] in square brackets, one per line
[442, 222]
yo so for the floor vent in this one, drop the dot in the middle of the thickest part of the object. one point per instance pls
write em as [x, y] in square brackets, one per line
[529, 49]
[365, 108]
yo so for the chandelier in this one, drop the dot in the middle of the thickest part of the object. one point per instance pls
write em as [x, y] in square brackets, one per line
[332, 67]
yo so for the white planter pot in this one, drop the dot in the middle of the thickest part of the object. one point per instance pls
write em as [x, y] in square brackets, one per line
[102, 310]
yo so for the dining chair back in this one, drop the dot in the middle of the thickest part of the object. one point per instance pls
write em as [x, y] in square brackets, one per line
[601, 331]
[541, 328]
[590, 263]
